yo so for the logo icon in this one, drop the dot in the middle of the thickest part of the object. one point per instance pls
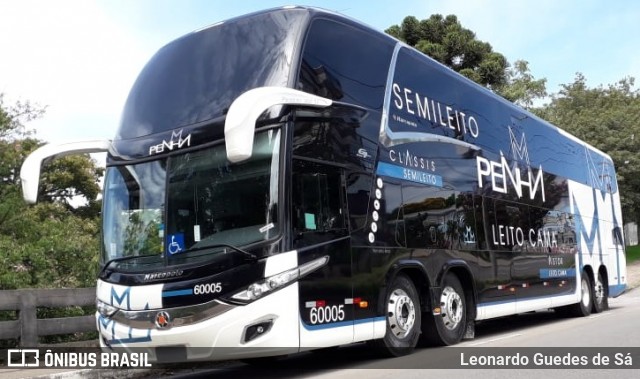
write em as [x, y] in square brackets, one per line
[469, 236]
[163, 275]
[175, 243]
[176, 141]
[163, 320]
[26, 358]
[363, 153]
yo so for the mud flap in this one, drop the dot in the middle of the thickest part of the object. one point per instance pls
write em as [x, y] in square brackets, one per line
[470, 331]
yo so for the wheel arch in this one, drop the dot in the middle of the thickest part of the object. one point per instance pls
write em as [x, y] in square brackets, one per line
[417, 273]
[587, 269]
[605, 277]
[464, 274]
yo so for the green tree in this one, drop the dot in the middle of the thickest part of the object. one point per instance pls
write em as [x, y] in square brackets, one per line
[50, 244]
[521, 87]
[609, 119]
[447, 41]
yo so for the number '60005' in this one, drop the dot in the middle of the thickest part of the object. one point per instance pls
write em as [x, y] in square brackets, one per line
[203, 289]
[322, 315]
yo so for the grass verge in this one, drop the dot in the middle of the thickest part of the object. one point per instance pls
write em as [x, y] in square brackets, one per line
[633, 253]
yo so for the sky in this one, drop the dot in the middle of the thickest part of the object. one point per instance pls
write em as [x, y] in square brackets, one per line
[79, 58]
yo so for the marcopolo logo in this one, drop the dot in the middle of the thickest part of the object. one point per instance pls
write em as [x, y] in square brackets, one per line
[163, 275]
[163, 320]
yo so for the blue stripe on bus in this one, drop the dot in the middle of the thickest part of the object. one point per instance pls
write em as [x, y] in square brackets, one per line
[409, 174]
[617, 290]
[512, 300]
[551, 273]
[177, 293]
[342, 323]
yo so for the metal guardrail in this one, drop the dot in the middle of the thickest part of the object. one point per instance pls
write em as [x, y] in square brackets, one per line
[27, 328]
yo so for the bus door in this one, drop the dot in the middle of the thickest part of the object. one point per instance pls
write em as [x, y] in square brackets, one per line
[616, 263]
[319, 225]
[496, 288]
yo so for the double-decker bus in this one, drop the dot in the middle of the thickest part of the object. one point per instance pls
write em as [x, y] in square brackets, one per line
[292, 179]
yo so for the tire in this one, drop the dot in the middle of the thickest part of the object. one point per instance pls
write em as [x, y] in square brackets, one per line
[403, 318]
[449, 326]
[583, 307]
[600, 295]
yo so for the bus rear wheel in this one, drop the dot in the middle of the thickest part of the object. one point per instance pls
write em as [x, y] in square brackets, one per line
[583, 307]
[403, 316]
[600, 295]
[448, 327]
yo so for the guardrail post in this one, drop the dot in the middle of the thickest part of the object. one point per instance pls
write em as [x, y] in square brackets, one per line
[28, 319]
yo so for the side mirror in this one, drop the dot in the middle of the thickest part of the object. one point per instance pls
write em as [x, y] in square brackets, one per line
[239, 128]
[30, 171]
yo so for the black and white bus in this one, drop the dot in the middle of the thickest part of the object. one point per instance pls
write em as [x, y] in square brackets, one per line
[291, 180]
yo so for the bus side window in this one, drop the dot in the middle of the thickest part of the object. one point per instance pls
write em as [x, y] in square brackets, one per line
[617, 236]
[317, 203]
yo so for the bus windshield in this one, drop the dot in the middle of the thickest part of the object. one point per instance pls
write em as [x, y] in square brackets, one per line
[215, 66]
[182, 208]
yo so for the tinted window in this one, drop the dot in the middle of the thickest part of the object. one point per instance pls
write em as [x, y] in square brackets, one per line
[317, 200]
[511, 230]
[430, 215]
[466, 233]
[322, 139]
[196, 78]
[343, 63]
[358, 191]
[387, 218]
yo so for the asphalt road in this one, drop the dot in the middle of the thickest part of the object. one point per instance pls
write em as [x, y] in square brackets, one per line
[618, 327]
[541, 333]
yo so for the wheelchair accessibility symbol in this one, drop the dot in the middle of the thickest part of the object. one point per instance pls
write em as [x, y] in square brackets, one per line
[175, 243]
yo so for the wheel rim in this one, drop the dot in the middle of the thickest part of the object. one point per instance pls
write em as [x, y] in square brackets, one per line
[586, 292]
[452, 308]
[598, 291]
[401, 313]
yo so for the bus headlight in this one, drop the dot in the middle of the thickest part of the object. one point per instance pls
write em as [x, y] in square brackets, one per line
[275, 282]
[105, 309]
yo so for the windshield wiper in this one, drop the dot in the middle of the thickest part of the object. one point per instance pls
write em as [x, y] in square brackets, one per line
[247, 254]
[122, 259]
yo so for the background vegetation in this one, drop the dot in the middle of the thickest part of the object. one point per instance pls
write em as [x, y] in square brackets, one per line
[607, 117]
[55, 244]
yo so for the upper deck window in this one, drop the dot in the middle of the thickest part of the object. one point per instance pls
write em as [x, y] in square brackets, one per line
[345, 63]
[197, 77]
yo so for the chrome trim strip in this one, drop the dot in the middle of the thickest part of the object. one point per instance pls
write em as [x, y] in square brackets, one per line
[388, 138]
[384, 122]
[180, 316]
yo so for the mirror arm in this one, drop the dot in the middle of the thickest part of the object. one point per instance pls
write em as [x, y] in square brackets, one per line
[30, 171]
[239, 128]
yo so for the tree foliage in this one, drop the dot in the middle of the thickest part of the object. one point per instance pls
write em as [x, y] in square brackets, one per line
[50, 244]
[609, 119]
[521, 87]
[447, 41]
[606, 117]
